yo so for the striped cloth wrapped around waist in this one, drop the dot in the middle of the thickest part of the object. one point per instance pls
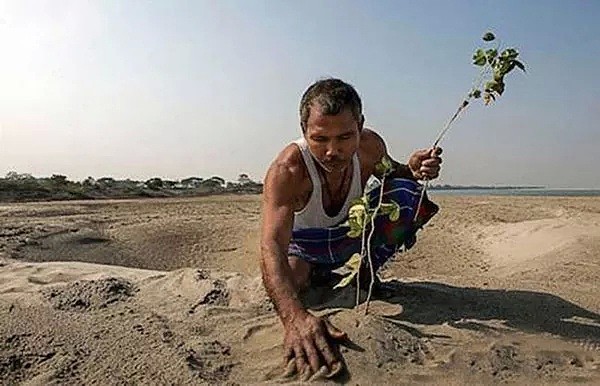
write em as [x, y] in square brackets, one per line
[332, 246]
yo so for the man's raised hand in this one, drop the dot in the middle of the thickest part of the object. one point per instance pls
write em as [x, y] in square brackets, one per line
[425, 164]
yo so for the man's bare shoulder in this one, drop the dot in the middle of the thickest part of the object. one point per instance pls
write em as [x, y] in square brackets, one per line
[372, 145]
[288, 164]
[287, 176]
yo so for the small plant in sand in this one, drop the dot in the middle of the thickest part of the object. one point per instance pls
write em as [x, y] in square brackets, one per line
[360, 215]
[495, 62]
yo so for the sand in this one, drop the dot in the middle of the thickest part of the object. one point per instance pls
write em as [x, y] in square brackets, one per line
[168, 291]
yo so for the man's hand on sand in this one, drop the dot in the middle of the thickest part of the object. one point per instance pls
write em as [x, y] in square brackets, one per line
[425, 164]
[310, 347]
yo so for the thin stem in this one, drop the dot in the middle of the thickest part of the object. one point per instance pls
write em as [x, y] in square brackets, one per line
[362, 255]
[425, 185]
[476, 84]
[445, 129]
[369, 245]
[484, 70]
[463, 105]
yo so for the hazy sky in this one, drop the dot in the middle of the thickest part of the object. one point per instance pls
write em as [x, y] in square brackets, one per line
[198, 88]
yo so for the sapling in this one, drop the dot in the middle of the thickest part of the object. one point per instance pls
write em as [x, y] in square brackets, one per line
[495, 64]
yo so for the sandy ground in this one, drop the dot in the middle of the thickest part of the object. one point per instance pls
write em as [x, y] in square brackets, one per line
[168, 291]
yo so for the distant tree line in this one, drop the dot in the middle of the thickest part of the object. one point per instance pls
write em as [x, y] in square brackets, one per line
[483, 187]
[25, 187]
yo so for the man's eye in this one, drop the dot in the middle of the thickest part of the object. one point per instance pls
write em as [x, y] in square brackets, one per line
[320, 139]
[345, 137]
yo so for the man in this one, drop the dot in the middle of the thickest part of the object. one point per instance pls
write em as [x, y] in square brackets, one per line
[309, 187]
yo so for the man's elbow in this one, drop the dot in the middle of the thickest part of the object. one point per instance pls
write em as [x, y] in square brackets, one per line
[272, 255]
[268, 250]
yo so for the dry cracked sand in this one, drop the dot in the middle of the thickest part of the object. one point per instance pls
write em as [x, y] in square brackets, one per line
[168, 291]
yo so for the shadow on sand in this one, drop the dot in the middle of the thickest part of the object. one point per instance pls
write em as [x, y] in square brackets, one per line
[430, 303]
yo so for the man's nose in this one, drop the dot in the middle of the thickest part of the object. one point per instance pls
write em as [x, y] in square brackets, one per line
[333, 149]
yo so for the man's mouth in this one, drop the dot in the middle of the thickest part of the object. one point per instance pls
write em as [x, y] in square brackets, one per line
[334, 158]
[335, 164]
[332, 162]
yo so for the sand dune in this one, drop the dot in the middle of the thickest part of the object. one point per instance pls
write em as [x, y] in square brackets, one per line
[169, 292]
[530, 244]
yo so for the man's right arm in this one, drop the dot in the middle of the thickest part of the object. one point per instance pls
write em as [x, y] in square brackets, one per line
[308, 340]
[278, 215]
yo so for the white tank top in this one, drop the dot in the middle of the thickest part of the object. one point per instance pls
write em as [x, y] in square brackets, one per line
[313, 215]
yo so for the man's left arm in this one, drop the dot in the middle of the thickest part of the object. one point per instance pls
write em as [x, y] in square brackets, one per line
[422, 164]
[401, 171]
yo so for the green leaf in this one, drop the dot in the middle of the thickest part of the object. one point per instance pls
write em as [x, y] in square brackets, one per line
[499, 88]
[356, 201]
[479, 57]
[384, 166]
[357, 211]
[353, 264]
[496, 86]
[392, 209]
[355, 223]
[510, 66]
[488, 37]
[488, 97]
[480, 61]
[491, 55]
[395, 215]
[520, 65]
[387, 163]
[386, 208]
[475, 93]
[345, 281]
[489, 86]
[356, 228]
[502, 64]
[354, 233]
[509, 54]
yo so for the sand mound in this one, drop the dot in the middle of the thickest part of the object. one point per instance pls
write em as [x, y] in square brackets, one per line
[517, 247]
[465, 312]
[194, 325]
[83, 295]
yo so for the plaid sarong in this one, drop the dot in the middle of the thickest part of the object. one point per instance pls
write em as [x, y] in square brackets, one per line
[329, 248]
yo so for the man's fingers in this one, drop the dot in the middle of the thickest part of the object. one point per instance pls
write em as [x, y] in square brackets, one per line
[290, 368]
[431, 162]
[306, 374]
[429, 173]
[335, 369]
[288, 354]
[427, 153]
[303, 368]
[320, 375]
[423, 154]
[325, 350]
[312, 354]
[334, 332]
[429, 170]
[300, 361]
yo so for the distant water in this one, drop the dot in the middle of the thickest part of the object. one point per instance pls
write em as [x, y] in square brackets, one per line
[518, 192]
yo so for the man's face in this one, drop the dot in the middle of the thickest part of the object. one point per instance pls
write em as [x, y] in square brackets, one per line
[333, 139]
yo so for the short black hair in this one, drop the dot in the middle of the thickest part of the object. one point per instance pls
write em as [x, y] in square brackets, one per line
[332, 96]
